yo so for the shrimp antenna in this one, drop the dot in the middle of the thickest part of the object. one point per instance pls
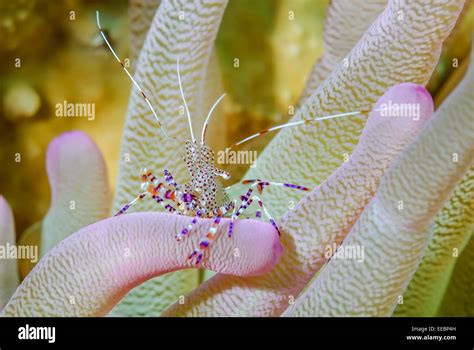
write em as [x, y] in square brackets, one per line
[184, 100]
[129, 75]
[206, 122]
[305, 121]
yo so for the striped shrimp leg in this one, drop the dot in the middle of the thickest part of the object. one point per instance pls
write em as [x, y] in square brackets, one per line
[163, 204]
[131, 204]
[225, 209]
[188, 228]
[246, 201]
[229, 206]
[198, 252]
[170, 180]
[152, 185]
[258, 214]
[260, 184]
[174, 195]
[148, 183]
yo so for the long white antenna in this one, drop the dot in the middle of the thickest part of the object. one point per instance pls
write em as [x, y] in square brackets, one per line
[304, 121]
[185, 104]
[129, 75]
[206, 122]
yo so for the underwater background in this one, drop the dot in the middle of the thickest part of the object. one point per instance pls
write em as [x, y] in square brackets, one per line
[51, 53]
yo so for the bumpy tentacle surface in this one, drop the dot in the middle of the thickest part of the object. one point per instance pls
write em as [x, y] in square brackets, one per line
[393, 50]
[141, 14]
[90, 271]
[9, 278]
[80, 192]
[393, 229]
[194, 27]
[379, 60]
[452, 227]
[346, 22]
[328, 212]
[451, 231]
[186, 31]
[458, 298]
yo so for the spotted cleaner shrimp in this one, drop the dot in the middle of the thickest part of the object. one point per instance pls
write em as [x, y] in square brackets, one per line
[203, 196]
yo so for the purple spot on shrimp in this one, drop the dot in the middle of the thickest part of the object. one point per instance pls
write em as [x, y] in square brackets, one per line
[187, 197]
[204, 244]
[199, 258]
[231, 228]
[258, 214]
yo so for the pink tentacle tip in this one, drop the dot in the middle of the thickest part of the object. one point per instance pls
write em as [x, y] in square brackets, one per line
[259, 242]
[278, 248]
